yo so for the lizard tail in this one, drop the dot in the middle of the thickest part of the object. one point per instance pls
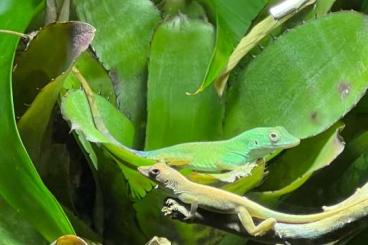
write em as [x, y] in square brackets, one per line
[126, 154]
[304, 218]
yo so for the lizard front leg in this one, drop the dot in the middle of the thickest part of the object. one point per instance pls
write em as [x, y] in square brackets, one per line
[236, 173]
[173, 209]
[172, 205]
[248, 223]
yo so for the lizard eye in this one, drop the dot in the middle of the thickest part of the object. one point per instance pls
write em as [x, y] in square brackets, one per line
[154, 172]
[274, 137]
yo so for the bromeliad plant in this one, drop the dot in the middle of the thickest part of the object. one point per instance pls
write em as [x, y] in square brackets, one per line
[160, 73]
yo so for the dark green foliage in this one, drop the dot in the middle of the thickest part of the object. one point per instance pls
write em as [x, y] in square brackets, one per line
[145, 58]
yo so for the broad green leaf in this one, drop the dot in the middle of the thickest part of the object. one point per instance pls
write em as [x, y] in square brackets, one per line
[290, 170]
[20, 185]
[181, 50]
[232, 21]
[306, 80]
[124, 32]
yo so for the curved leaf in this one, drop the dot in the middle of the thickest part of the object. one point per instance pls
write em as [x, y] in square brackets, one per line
[232, 21]
[181, 49]
[20, 185]
[308, 79]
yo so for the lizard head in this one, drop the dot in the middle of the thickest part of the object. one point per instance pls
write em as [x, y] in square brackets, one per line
[163, 175]
[265, 140]
[279, 137]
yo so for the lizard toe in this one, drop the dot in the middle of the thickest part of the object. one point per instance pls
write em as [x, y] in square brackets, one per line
[170, 202]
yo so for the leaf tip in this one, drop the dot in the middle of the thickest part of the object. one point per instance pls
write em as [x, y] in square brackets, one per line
[199, 90]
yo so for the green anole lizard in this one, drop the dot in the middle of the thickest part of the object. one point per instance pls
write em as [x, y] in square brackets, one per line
[216, 156]
[221, 201]
[237, 154]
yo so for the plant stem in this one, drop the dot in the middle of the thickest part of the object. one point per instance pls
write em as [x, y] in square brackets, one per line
[14, 33]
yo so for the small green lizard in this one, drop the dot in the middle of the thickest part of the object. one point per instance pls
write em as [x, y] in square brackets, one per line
[221, 201]
[216, 156]
[235, 154]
